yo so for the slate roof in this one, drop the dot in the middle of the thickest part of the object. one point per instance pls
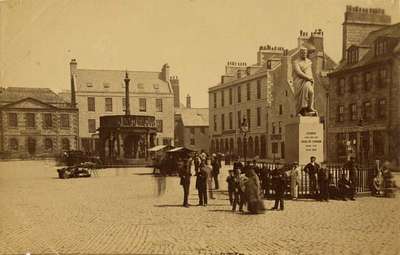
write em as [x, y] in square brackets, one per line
[194, 117]
[392, 31]
[140, 81]
[45, 95]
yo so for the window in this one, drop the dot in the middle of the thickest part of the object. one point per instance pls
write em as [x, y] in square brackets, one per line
[353, 112]
[258, 116]
[340, 113]
[156, 86]
[47, 120]
[89, 84]
[30, 120]
[382, 77]
[239, 118]
[64, 120]
[123, 103]
[381, 109]
[367, 108]
[65, 144]
[202, 130]
[239, 94]
[222, 98]
[230, 121]
[48, 144]
[106, 85]
[12, 119]
[280, 109]
[215, 122]
[258, 89]
[367, 81]
[159, 105]
[248, 118]
[230, 96]
[352, 55]
[282, 149]
[274, 148]
[248, 91]
[379, 143]
[13, 144]
[286, 93]
[108, 102]
[159, 125]
[341, 86]
[192, 141]
[166, 141]
[273, 127]
[91, 104]
[192, 130]
[215, 100]
[223, 122]
[280, 127]
[353, 83]
[92, 125]
[140, 86]
[142, 104]
[381, 47]
[341, 144]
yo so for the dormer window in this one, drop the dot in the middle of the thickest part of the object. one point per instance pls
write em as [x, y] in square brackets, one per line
[381, 47]
[352, 55]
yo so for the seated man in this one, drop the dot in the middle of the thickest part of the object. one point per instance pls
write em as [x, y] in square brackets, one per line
[377, 184]
[345, 187]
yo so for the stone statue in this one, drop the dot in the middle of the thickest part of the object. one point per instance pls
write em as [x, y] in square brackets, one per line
[304, 85]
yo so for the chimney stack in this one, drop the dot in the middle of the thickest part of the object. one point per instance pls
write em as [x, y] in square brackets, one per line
[174, 81]
[73, 66]
[188, 101]
[127, 107]
[165, 72]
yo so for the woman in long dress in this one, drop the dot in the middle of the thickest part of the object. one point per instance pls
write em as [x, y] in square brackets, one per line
[254, 202]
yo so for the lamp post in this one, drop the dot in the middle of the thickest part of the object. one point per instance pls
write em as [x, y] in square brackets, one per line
[244, 129]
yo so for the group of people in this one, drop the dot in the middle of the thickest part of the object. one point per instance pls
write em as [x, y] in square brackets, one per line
[248, 184]
[205, 174]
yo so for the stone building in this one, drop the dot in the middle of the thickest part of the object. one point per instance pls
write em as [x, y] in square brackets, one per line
[36, 122]
[191, 127]
[263, 95]
[364, 89]
[101, 92]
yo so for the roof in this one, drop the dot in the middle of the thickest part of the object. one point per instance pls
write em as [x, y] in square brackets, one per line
[140, 81]
[180, 149]
[45, 95]
[392, 31]
[194, 117]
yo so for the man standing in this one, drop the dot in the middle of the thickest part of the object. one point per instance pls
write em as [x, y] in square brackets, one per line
[279, 183]
[323, 182]
[215, 170]
[351, 167]
[294, 180]
[184, 174]
[312, 169]
[304, 85]
[201, 185]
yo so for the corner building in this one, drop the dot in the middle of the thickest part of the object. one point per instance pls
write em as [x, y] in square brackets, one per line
[263, 94]
[364, 93]
[102, 92]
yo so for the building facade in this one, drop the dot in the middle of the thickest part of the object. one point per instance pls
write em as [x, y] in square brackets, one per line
[263, 94]
[102, 92]
[191, 127]
[364, 89]
[36, 122]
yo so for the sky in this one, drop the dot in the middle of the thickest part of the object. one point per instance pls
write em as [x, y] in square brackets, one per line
[195, 37]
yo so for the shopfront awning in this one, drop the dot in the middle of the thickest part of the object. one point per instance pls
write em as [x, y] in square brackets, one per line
[157, 148]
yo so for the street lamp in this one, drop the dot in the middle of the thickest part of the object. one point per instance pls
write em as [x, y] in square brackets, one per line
[244, 129]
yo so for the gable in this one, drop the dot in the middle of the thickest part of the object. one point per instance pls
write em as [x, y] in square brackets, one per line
[29, 103]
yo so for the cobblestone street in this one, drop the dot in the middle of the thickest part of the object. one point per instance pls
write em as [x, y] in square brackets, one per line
[128, 211]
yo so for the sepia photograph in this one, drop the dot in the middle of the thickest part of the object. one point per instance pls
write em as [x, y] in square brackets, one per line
[204, 127]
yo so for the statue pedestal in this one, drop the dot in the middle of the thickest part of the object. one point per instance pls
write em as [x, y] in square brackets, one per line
[304, 137]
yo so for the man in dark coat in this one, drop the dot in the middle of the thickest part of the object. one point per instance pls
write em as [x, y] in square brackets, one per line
[351, 167]
[323, 183]
[312, 169]
[216, 165]
[345, 188]
[184, 174]
[279, 185]
[201, 184]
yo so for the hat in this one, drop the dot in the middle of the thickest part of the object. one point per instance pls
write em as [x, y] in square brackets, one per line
[214, 155]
